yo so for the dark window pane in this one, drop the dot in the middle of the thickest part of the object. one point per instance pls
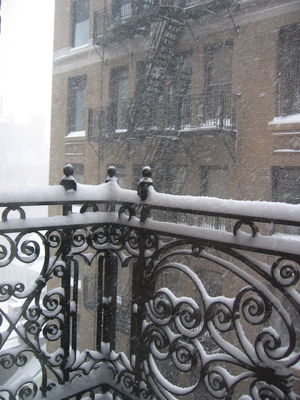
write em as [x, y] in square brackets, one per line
[78, 172]
[289, 70]
[80, 22]
[119, 99]
[77, 104]
[286, 184]
[214, 181]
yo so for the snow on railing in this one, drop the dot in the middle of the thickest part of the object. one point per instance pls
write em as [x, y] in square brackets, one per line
[180, 309]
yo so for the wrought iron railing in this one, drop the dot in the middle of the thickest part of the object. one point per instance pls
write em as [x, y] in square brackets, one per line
[126, 9]
[122, 12]
[109, 120]
[215, 110]
[178, 310]
[102, 22]
[106, 19]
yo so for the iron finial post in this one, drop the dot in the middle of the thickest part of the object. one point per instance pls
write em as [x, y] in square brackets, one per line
[145, 182]
[111, 176]
[68, 181]
[111, 173]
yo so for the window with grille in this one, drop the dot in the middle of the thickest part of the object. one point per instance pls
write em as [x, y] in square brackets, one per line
[121, 10]
[286, 184]
[289, 70]
[80, 22]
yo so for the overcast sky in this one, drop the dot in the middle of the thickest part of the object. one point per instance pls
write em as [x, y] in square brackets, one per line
[26, 42]
[26, 54]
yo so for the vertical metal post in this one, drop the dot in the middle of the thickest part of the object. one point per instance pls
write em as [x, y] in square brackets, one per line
[110, 299]
[222, 108]
[139, 297]
[99, 330]
[140, 290]
[69, 183]
[66, 329]
[75, 303]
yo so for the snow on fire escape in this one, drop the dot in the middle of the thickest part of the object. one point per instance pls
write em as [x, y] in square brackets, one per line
[165, 40]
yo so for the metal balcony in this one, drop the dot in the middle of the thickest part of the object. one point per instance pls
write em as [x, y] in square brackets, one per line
[177, 310]
[128, 18]
[215, 110]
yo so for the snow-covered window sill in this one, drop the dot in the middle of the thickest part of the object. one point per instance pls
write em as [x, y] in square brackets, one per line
[121, 130]
[288, 122]
[78, 48]
[75, 134]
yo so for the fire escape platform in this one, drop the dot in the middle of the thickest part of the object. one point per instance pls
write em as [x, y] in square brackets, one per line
[198, 9]
[137, 24]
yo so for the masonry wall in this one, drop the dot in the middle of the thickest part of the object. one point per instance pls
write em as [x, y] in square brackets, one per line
[249, 152]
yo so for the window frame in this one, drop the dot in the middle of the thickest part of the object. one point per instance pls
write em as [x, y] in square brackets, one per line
[78, 172]
[288, 37]
[275, 182]
[115, 112]
[74, 21]
[204, 171]
[75, 84]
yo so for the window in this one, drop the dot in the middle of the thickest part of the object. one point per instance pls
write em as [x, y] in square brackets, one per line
[179, 100]
[145, 112]
[77, 104]
[286, 184]
[170, 178]
[119, 99]
[289, 70]
[218, 71]
[122, 9]
[80, 23]
[175, 178]
[214, 183]
[78, 172]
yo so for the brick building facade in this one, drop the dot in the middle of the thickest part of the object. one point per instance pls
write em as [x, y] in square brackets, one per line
[222, 118]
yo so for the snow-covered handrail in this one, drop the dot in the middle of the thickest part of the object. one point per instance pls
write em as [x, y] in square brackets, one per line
[110, 192]
[203, 290]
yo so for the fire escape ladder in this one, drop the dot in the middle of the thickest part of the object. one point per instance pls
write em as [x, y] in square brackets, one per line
[165, 40]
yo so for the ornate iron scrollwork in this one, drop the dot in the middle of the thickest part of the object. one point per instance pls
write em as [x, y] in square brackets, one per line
[207, 313]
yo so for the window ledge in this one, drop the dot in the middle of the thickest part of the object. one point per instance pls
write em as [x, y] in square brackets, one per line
[76, 135]
[78, 48]
[287, 123]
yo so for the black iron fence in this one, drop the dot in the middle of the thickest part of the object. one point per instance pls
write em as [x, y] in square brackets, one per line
[214, 110]
[110, 302]
[124, 12]
[120, 12]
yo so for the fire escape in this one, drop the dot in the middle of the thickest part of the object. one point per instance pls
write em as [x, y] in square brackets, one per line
[169, 19]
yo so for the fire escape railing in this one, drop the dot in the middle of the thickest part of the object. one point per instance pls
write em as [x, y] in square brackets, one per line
[213, 110]
[178, 310]
[144, 11]
[106, 19]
